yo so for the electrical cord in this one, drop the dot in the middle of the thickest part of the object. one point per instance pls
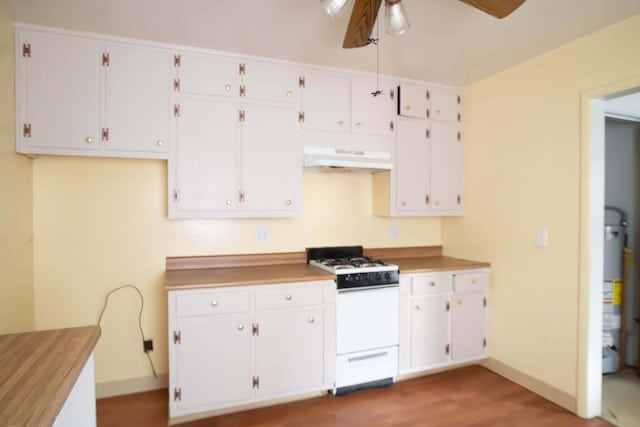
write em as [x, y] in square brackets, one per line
[104, 307]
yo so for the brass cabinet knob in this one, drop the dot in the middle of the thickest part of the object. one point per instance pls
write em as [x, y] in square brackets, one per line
[403, 203]
[340, 123]
[88, 140]
[407, 107]
[214, 303]
[459, 302]
[359, 125]
[159, 143]
[227, 87]
[288, 202]
[437, 203]
[437, 112]
[418, 307]
[240, 327]
[432, 283]
[312, 320]
[228, 202]
[289, 93]
[288, 297]
[474, 281]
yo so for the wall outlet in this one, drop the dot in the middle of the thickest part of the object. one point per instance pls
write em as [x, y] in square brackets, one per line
[147, 345]
[262, 234]
[394, 232]
[542, 237]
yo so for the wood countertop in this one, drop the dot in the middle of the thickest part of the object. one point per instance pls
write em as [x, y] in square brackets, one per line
[38, 371]
[435, 263]
[238, 276]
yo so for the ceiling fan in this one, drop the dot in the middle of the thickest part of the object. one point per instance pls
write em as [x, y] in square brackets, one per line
[365, 12]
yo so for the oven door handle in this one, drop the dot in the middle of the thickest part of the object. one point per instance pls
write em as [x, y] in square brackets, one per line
[368, 288]
[368, 356]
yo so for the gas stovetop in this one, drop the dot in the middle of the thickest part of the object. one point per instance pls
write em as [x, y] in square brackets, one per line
[349, 265]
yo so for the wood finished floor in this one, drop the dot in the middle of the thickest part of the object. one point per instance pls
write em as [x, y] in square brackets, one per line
[467, 397]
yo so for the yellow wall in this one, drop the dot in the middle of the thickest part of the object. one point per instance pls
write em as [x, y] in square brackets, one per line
[16, 219]
[101, 223]
[522, 172]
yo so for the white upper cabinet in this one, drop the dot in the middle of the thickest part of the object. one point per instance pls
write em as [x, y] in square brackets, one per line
[58, 93]
[412, 167]
[414, 101]
[446, 104]
[446, 167]
[271, 82]
[205, 74]
[137, 106]
[325, 101]
[373, 115]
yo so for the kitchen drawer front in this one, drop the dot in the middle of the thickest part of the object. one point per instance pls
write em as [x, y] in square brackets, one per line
[471, 281]
[365, 366]
[212, 303]
[433, 283]
[289, 297]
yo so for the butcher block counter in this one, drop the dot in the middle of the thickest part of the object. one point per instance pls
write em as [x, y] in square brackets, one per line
[253, 269]
[38, 371]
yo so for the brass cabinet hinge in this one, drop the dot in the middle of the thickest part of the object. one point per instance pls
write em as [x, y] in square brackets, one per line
[459, 199]
[176, 110]
[255, 327]
[459, 136]
[241, 115]
[447, 349]
[26, 130]
[26, 50]
[176, 84]
[255, 382]
[484, 302]
[448, 306]
[427, 134]
[459, 117]
[177, 394]
[105, 60]
[427, 199]
[484, 342]
[243, 90]
[242, 69]
[177, 60]
[105, 134]
[459, 100]
[301, 116]
[392, 94]
[176, 199]
[177, 335]
[428, 95]
[301, 82]
[428, 113]
[392, 126]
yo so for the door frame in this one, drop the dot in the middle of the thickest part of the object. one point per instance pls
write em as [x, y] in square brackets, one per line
[591, 242]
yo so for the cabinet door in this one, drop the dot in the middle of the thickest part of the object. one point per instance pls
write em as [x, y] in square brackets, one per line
[414, 101]
[372, 115]
[266, 81]
[412, 167]
[446, 166]
[429, 330]
[445, 104]
[58, 93]
[138, 101]
[325, 101]
[205, 163]
[468, 325]
[289, 354]
[271, 159]
[213, 361]
[204, 74]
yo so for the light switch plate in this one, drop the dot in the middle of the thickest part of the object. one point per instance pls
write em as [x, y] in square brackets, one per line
[262, 234]
[394, 232]
[542, 237]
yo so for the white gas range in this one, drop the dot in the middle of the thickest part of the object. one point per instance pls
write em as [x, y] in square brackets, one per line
[367, 317]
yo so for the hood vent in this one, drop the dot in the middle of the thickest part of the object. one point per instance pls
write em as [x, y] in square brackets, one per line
[347, 158]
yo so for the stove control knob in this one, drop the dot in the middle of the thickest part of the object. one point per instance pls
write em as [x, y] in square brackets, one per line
[378, 276]
[387, 275]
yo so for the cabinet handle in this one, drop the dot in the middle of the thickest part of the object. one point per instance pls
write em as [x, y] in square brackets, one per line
[312, 320]
[418, 307]
[288, 202]
[289, 93]
[340, 123]
[288, 297]
[88, 140]
[228, 202]
[403, 203]
[359, 125]
[214, 303]
[159, 143]
[227, 87]
[241, 327]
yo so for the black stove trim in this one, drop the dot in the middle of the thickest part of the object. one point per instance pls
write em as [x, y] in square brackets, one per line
[334, 252]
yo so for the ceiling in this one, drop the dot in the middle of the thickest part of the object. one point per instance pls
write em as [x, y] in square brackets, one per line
[449, 42]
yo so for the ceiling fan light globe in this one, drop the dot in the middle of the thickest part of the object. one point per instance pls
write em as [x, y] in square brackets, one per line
[335, 8]
[395, 18]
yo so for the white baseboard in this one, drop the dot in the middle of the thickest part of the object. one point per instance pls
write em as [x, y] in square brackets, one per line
[133, 385]
[541, 388]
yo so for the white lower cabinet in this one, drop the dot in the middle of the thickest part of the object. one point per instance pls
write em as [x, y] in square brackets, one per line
[240, 345]
[443, 319]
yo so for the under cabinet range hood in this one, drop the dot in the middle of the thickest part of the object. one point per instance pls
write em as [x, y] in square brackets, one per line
[320, 157]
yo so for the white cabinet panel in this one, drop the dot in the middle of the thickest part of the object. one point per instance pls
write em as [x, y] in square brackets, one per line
[271, 82]
[206, 74]
[325, 101]
[373, 115]
[289, 353]
[414, 101]
[59, 93]
[468, 325]
[137, 107]
[214, 361]
[430, 330]
[271, 159]
[206, 163]
[412, 167]
[445, 104]
[446, 166]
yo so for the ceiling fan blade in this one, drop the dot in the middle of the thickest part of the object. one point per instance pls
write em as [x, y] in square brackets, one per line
[497, 8]
[363, 18]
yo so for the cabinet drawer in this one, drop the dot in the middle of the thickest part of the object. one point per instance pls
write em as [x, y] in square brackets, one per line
[431, 284]
[365, 366]
[285, 297]
[215, 302]
[469, 282]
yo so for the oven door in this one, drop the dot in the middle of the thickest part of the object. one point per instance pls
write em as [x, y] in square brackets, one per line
[367, 318]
